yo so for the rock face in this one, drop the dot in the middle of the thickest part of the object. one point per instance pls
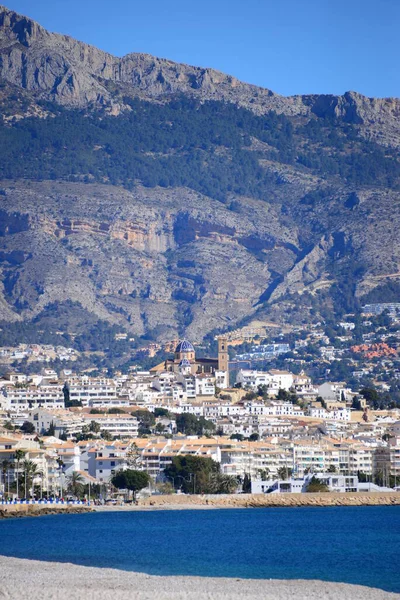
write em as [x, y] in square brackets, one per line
[165, 260]
[75, 74]
[138, 259]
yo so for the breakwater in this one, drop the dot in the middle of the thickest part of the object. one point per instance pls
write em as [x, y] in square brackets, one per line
[271, 500]
[9, 511]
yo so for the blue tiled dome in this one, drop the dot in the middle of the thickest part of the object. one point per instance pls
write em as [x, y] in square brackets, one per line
[185, 363]
[184, 346]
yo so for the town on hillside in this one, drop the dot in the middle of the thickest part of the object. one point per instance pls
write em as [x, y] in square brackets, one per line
[196, 424]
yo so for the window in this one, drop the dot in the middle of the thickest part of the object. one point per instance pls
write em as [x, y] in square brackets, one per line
[113, 463]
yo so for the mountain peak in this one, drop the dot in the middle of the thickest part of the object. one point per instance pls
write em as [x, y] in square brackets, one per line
[19, 28]
[61, 69]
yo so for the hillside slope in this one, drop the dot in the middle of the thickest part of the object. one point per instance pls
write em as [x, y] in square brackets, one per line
[166, 198]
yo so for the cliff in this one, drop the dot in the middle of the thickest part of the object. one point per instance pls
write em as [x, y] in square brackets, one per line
[75, 74]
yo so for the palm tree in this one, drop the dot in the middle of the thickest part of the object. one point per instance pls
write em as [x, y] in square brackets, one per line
[75, 483]
[18, 456]
[30, 470]
[284, 473]
[5, 466]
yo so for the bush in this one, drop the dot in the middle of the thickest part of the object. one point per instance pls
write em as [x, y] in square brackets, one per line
[315, 485]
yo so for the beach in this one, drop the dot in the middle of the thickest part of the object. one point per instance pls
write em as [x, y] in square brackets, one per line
[23, 579]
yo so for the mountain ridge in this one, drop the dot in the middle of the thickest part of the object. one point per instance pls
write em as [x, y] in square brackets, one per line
[169, 199]
[74, 80]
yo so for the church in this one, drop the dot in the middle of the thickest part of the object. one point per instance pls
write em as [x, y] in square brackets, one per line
[186, 362]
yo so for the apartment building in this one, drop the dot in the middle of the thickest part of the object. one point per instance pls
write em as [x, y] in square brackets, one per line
[249, 458]
[44, 460]
[204, 385]
[105, 461]
[64, 421]
[118, 425]
[22, 397]
[92, 390]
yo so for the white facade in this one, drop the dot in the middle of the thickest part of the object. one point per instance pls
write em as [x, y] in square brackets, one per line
[335, 483]
[221, 379]
[336, 414]
[273, 380]
[30, 396]
[92, 390]
[333, 391]
[119, 425]
[204, 385]
[64, 421]
[188, 383]
[218, 410]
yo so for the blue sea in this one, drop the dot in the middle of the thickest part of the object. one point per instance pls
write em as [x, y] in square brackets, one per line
[345, 544]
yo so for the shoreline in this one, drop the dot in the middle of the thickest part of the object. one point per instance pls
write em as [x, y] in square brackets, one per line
[207, 502]
[21, 579]
[17, 511]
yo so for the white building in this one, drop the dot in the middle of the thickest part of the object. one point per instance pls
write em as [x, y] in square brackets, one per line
[335, 414]
[92, 390]
[333, 391]
[63, 421]
[31, 396]
[335, 483]
[204, 385]
[274, 380]
[117, 425]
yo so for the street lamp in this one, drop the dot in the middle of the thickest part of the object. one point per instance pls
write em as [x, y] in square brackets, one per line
[184, 479]
[172, 479]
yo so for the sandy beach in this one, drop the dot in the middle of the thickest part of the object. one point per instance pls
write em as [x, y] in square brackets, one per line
[23, 579]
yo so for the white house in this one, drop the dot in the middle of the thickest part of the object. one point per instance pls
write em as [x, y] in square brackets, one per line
[274, 380]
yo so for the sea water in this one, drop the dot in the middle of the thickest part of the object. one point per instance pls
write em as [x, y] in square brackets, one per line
[358, 545]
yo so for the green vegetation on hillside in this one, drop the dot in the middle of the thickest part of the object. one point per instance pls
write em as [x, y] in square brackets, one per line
[206, 147]
[388, 292]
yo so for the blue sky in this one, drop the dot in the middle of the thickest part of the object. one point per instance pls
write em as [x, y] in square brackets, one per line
[288, 46]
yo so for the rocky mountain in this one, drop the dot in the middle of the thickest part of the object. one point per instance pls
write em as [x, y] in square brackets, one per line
[75, 74]
[164, 198]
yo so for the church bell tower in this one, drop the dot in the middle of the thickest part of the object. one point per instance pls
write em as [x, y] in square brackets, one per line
[223, 354]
